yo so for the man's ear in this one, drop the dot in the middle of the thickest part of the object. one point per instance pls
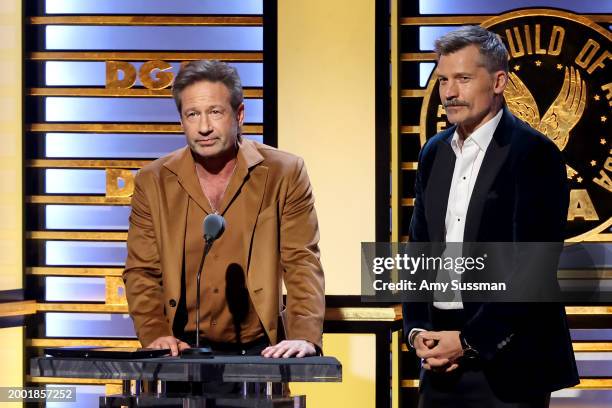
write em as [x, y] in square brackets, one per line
[240, 114]
[501, 80]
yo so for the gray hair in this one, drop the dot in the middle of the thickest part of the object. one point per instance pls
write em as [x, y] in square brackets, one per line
[493, 51]
[211, 71]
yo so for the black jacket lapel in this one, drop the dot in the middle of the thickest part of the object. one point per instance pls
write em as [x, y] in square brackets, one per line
[495, 157]
[438, 188]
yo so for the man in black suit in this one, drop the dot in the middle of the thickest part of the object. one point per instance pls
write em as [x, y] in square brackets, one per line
[488, 178]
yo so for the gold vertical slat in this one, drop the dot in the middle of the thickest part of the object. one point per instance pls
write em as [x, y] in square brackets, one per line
[113, 389]
[395, 159]
[114, 291]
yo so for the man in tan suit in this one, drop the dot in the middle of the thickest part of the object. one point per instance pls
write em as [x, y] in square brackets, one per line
[271, 234]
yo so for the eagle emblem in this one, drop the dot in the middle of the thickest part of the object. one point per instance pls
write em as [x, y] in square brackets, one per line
[561, 117]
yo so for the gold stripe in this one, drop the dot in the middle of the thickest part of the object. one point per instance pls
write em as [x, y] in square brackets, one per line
[585, 383]
[584, 274]
[77, 235]
[442, 20]
[143, 56]
[418, 56]
[409, 383]
[593, 383]
[588, 310]
[601, 347]
[88, 164]
[25, 307]
[131, 92]
[112, 389]
[578, 310]
[81, 342]
[412, 93]
[409, 165]
[460, 20]
[331, 314]
[579, 347]
[121, 128]
[59, 380]
[410, 129]
[407, 202]
[362, 313]
[76, 199]
[82, 308]
[63, 271]
[149, 20]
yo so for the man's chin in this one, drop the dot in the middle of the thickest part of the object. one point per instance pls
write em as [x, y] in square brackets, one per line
[455, 119]
[211, 152]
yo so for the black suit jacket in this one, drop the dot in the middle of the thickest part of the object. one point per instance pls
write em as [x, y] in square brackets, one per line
[520, 195]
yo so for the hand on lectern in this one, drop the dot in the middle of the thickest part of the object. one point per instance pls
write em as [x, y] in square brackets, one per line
[290, 348]
[169, 342]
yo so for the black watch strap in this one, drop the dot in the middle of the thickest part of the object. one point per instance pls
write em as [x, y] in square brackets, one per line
[468, 351]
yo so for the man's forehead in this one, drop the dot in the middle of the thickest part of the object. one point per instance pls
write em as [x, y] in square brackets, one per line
[467, 57]
[206, 91]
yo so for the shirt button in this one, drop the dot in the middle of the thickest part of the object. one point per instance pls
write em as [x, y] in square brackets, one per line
[464, 177]
[172, 303]
[458, 219]
[215, 290]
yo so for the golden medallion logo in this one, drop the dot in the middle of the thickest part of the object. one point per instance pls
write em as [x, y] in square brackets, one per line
[559, 83]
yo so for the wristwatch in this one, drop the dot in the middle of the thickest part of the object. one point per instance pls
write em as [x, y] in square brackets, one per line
[468, 352]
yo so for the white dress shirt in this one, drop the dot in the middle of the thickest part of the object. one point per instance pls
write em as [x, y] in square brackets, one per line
[469, 154]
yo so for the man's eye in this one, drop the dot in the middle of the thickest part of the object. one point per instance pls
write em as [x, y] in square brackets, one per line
[216, 113]
[191, 114]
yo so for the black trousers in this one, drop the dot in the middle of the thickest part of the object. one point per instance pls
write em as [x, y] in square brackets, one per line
[466, 388]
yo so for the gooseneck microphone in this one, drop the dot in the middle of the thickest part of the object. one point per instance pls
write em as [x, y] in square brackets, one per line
[214, 225]
[213, 228]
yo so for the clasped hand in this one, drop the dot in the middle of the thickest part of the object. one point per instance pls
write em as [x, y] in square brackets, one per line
[440, 350]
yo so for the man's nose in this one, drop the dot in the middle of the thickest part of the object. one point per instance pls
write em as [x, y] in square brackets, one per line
[451, 91]
[205, 125]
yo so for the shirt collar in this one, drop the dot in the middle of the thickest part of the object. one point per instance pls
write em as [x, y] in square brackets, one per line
[481, 137]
